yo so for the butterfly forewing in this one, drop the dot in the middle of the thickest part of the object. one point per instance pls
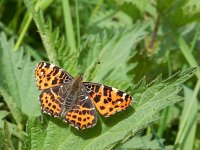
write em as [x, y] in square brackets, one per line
[48, 75]
[51, 101]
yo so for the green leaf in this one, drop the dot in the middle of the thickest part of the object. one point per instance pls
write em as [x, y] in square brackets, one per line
[1, 104]
[18, 85]
[13, 128]
[111, 52]
[36, 136]
[179, 13]
[45, 30]
[58, 51]
[144, 142]
[106, 19]
[3, 114]
[110, 131]
[16, 113]
[5, 138]
[25, 23]
[137, 9]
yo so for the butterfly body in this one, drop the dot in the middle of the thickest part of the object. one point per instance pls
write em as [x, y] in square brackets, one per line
[71, 92]
[74, 101]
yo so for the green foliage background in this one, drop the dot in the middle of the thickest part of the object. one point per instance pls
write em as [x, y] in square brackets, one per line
[148, 48]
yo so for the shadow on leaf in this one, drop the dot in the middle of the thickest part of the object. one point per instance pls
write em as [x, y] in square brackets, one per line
[120, 116]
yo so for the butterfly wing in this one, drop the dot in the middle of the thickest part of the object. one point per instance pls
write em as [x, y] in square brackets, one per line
[48, 75]
[83, 114]
[107, 100]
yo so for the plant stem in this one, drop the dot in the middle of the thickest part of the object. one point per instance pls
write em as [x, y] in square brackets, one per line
[68, 25]
[24, 31]
[96, 9]
[77, 24]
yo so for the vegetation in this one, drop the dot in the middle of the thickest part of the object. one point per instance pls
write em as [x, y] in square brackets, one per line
[148, 48]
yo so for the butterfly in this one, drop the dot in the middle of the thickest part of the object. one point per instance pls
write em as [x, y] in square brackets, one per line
[75, 101]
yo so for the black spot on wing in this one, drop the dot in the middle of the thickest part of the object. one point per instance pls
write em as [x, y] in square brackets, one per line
[105, 101]
[56, 70]
[120, 93]
[126, 97]
[97, 87]
[62, 74]
[47, 65]
[102, 107]
[54, 81]
[107, 90]
[84, 112]
[109, 99]
[97, 98]
[110, 109]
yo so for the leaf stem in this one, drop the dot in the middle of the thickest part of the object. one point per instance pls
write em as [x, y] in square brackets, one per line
[155, 32]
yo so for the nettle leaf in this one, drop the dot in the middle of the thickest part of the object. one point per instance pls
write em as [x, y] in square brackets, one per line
[109, 132]
[106, 58]
[144, 142]
[180, 13]
[108, 54]
[55, 45]
[110, 19]
[45, 30]
[137, 9]
[14, 111]
[17, 83]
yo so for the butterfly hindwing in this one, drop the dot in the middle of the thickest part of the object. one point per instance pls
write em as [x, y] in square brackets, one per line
[107, 100]
[51, 101]
[83, 114]
[48, 75]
